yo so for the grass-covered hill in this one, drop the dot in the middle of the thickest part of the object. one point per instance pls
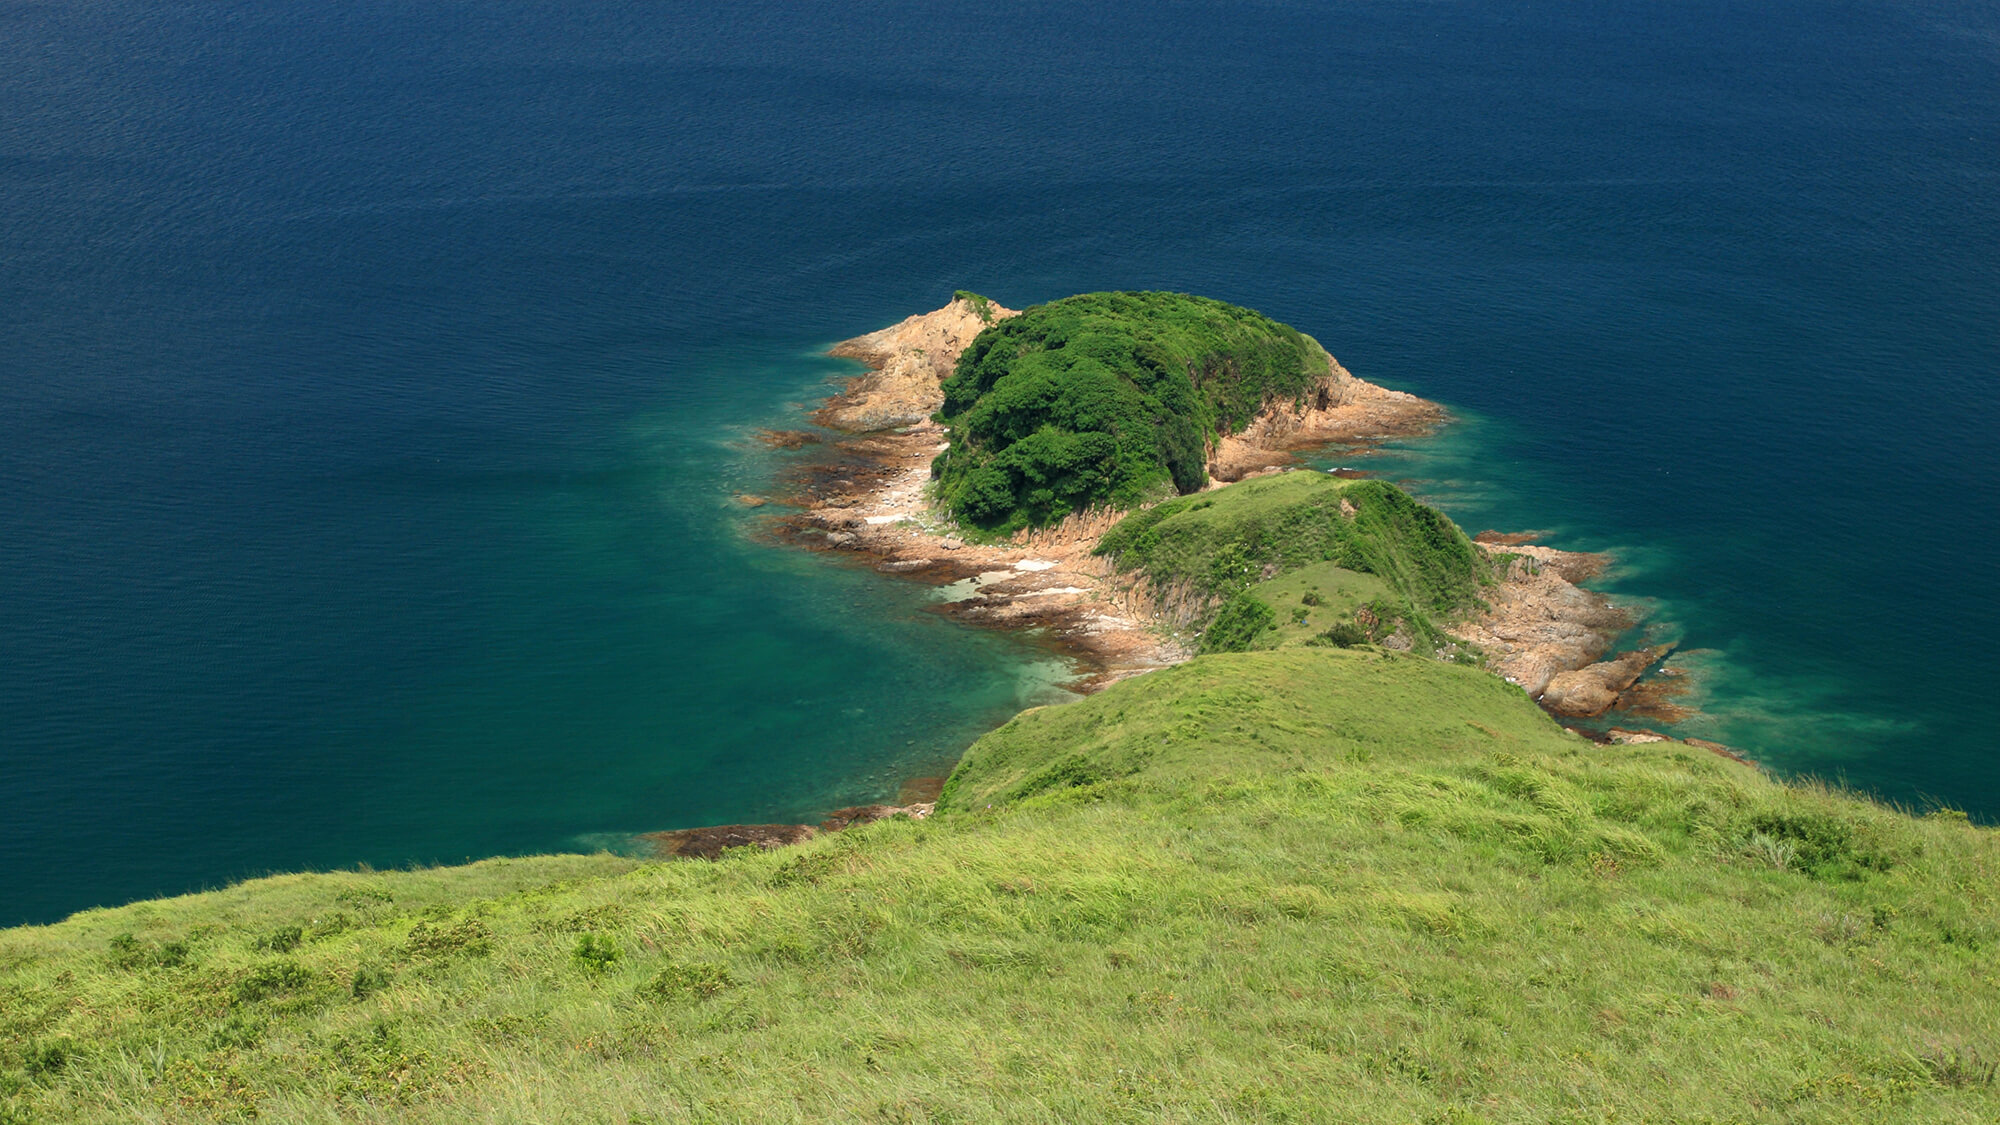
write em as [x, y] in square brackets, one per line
[1383, 565]
[1108, 399]
[1307, 884]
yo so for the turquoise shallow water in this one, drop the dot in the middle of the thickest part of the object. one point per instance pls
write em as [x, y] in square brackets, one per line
[373, 380]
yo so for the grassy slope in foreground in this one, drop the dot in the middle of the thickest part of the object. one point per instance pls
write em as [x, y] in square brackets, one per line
[1108, 399]
[1310, 884]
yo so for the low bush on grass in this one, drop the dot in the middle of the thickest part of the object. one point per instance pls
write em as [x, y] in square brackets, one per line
[595, 953]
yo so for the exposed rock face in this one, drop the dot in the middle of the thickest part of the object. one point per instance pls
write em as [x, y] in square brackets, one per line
[1539, 622]
[708, 843]
[908, 364]
[1341, 408]
[1593, 689]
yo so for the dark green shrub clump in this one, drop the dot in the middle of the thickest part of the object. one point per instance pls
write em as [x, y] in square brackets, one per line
[274, 978]
[369, 980]
[1108, 399]
[1242, 619]
[128, 952]
[1345, 635]
[1823, 845]
[595, 954]
[469, 937]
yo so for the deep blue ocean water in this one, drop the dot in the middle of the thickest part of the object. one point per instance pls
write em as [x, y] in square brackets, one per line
[374, 377]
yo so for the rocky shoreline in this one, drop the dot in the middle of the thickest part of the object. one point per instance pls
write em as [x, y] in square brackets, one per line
[1541, 630]
[868, 496]
[865, 496]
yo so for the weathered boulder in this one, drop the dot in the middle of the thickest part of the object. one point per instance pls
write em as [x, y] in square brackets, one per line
[1592, 690]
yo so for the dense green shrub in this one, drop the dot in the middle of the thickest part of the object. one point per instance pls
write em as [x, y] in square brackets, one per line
[595, 954]
[273, 978]
[470, 936]
[1346, 634]
[696, 980]
[369, 980]
[1242, 619]
[1107, 398]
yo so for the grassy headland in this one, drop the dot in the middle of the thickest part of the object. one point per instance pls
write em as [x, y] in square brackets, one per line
[1311, 884]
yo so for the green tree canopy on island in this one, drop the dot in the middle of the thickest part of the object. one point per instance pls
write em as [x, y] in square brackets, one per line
[1108, 399]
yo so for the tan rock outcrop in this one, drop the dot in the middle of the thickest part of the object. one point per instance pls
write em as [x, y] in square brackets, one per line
[1539, 622]
[908, 363]
[1593, 689]
[710, 842]
[1340, 408]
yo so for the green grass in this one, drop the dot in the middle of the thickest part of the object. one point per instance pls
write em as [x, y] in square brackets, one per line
[1107, 399]
[1220, 550]
[1309, 601]
[1309, 884]
[980, 305]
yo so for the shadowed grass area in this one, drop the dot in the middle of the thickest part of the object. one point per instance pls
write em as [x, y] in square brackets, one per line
[1311, 885]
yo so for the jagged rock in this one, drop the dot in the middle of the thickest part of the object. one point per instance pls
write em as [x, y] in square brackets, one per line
[708, 843]
[909, 363]
[1592, 690]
